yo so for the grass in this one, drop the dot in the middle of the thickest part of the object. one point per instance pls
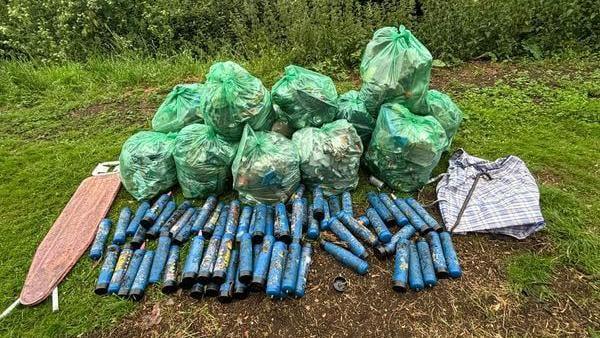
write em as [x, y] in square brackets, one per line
[530, 275]
[57, 122]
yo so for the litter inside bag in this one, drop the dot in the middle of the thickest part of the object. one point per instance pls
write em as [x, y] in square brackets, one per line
[395, 65]
[306, 98]
[281, 125]
[404, 147]
[266, 167]
[180, 108]
[232, 98]
[329, 156]
[352, 108]
[445, 111]
[203, 160]
[146, 164]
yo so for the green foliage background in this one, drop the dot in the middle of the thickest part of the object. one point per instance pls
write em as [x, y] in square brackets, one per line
[337, 30]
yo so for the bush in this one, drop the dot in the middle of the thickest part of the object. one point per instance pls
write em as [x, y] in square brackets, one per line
[310, 30]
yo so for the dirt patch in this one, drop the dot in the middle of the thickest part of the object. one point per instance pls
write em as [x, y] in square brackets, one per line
[480, 74]
[548, 177]
[478, 304]
[143, 106]
[486, 74]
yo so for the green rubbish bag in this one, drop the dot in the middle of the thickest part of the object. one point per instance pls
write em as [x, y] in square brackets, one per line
[233, 97]
[266, 167]
[352, 108]
[180, 108]
[203, 160]
[404, 147]
[395, 65]
[281, 125]
[146, 164]
[441, 106]
[306, 98]
[329, 156]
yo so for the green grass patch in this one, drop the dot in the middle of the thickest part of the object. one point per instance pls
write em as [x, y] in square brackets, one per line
[530, 275]
[57, 122]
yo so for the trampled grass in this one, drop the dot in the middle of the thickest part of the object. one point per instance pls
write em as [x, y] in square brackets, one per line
[57, 122]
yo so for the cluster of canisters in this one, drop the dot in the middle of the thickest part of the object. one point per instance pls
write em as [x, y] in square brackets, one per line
[417, 263]
[236, 249]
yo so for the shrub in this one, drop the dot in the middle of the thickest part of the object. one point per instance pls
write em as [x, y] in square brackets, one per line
[310, 30]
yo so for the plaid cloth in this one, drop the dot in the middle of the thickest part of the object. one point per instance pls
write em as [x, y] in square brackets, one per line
[508, 203]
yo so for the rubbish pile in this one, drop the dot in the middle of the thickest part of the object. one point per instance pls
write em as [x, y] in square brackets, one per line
[199, 149]
[402, 125]
[414, 125]
[234, 249]
[272, 146]
[329, 156]
[266, 167]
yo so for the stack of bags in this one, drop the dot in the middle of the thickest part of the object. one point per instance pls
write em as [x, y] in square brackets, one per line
[231, 126]
[207, 134]
[414, 125]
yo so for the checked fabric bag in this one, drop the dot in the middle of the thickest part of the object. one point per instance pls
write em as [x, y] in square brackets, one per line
[506, 199]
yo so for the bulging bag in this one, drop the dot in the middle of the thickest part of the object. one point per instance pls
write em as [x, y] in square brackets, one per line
[266, 167]
[180, 108]
[233, 97]
[281, 125]
[146, 164]
[306, 98]
[395, 65]
[404, 147]
[445, 111]
[329, 156]
[353, 109]
[203, 161]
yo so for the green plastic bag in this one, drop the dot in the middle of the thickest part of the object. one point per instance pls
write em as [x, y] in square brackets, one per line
[395, 65]
[306, 98]
[404, 147]
[146, 164]
[233, 97]
[329, 156]
[441, 106]
[266, 167]
[180, 108]
[352, 108]
[203, 161]
[281, 125]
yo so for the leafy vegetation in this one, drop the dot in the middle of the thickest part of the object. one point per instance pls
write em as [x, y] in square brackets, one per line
[55, 30]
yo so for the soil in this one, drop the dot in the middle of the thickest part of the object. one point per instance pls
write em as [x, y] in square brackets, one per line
[481, 74]
[478, 304]
[144, 107]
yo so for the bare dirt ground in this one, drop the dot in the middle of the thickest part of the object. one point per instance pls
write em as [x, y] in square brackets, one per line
[478, 304]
